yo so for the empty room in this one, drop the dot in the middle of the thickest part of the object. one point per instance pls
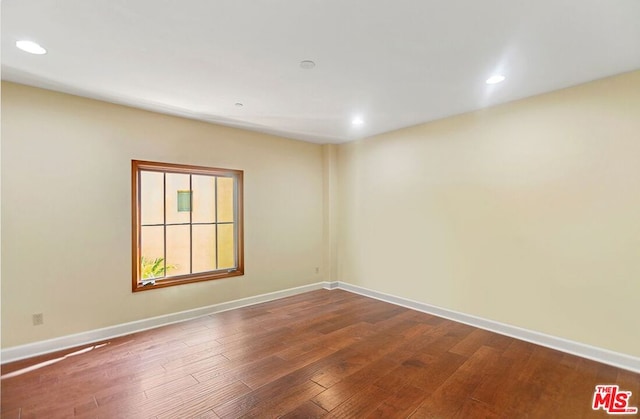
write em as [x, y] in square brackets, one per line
[306, 209]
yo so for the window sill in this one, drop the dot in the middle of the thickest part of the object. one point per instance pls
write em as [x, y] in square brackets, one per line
[186, 279]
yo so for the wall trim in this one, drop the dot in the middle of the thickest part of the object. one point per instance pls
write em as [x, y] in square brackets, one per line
[593, 353]
[604, 356]
[332, 285]
[16, 353]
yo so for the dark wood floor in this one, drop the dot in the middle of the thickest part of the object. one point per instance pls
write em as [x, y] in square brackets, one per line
[320, 354]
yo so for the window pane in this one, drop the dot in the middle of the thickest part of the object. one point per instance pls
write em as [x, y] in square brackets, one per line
[151, 194]
[152, 252]
[178, 246]
[176, 182]
[226, 246]
[204, 188]
[204, 248]
[225, 199]
[184, 201]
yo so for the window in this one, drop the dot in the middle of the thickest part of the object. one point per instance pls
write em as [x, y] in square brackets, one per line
[187, 224]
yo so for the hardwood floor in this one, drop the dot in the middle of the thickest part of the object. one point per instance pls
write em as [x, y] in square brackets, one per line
[328, 354]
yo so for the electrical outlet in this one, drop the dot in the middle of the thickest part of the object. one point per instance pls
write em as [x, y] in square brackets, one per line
[38, 319]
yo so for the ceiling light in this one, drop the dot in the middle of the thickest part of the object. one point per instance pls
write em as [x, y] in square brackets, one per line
[357, 121]
[239, 105]
[31, 47]
[495, 79]
[307, 64]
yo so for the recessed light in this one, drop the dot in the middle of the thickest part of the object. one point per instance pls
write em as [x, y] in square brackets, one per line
[357, 121]
[307, 64]
[31, 47]
[238, 105]
[495, 79]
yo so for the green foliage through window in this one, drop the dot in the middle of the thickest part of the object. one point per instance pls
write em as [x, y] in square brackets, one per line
[153, 268]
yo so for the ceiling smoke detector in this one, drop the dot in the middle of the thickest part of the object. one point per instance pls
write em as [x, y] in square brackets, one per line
[307, 64]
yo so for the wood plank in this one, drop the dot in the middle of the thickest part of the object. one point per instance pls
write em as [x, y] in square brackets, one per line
[347, 388]
[360, 404]
[270, 399]
[446, 400]
[308, 410]
[402, 403]
[203, 403]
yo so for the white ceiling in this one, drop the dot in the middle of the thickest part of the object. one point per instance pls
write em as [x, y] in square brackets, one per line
[394, 63]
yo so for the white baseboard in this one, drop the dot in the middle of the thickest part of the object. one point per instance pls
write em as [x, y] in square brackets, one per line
[29, 350]
[332, 285]
[604, 356]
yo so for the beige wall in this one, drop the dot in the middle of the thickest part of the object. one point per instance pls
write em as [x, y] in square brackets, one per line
[66, 229]
[526, 213]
